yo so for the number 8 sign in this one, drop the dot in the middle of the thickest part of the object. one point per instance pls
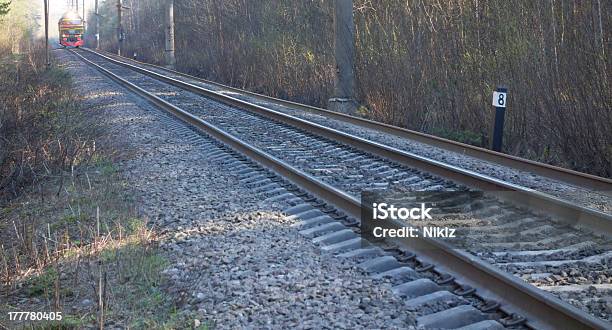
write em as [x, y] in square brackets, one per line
[499, 99]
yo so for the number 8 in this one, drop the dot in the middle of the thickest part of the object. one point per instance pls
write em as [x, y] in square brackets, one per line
[500, 100]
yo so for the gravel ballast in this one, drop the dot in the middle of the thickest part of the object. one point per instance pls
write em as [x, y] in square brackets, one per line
[583, 196]
[235, 260]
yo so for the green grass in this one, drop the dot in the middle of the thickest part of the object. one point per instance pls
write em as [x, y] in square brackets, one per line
[104, 165]
[108, 255]
[464, 136]
[68, 322]
[141, 292]
[43, 283]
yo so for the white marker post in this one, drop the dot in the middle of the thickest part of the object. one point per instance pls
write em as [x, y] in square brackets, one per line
[499, 102]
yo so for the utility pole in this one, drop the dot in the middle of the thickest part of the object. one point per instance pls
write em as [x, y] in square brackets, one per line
[97, 27]
[46, 4]
[170, 59]
[344, 48]
[119, 28]
[120, 32]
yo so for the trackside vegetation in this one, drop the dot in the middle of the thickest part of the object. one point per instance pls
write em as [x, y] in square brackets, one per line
[71, 240]
[428, 65]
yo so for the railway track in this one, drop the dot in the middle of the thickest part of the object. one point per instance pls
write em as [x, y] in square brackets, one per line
[591, 182]
[332, 168]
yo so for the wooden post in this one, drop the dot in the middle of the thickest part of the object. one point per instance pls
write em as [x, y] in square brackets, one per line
[47, 61]
[170, 59]
[344, 48]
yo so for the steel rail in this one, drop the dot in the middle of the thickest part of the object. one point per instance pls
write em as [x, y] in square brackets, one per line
[577, 178]
[542, 309]
[540, 202]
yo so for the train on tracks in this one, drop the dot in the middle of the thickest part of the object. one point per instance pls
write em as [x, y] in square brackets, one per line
[71, 30]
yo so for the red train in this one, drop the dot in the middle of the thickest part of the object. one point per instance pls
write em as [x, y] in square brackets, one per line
[71, 30]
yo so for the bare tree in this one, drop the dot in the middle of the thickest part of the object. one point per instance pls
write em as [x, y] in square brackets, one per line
[428, 65]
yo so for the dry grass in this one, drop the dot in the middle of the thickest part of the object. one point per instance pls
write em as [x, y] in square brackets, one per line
[71, 239]
[85, 252]
[42, 132]
[430, 65]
